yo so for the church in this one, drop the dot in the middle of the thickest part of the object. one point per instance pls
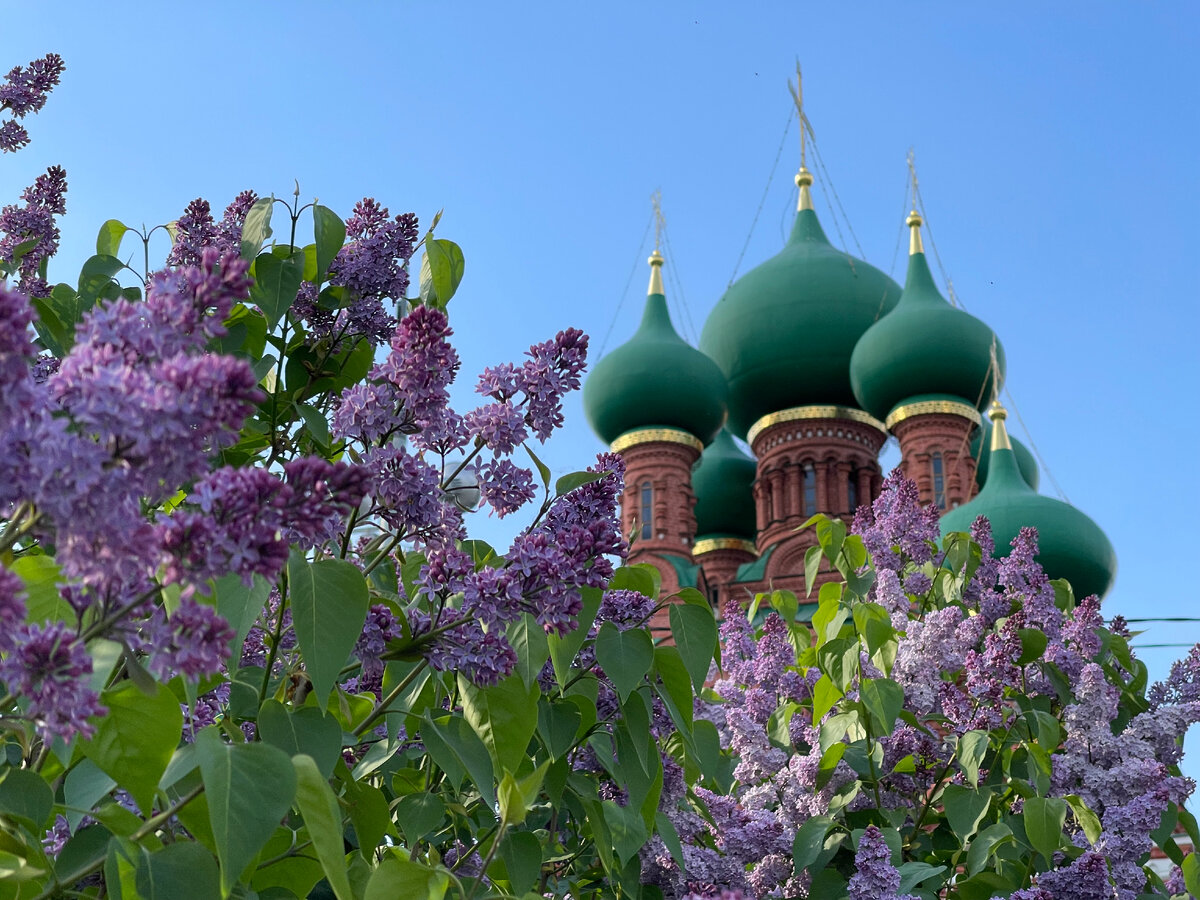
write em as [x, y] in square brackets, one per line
[812, 360]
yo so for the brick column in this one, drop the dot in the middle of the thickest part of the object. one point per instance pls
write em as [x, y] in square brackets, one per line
[930, 430]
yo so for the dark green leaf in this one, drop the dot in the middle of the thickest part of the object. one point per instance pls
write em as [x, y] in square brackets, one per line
[625, 656]
[84, 785]
[249, 788]
[329, 232]
[528, 639]
[257, 227]
[984, 886]
[25, 795]
[522, 855]
[276, 282]
[314, 421]
[810, 841]
[1191, 874]
[640, 577]
[319, 807]
[628, 829]
[457, 750]
[568, 483]
[670, 837]
[240, 606]
[972, 747]
[983, 845]
[504, 715]
[306, 730]
[1033, 645]
[543, 469]
[179, 871]
[96, 273]
[563, 650]
[1044, 818]
[419, 814]
[108, 241]
[913, 873]
[370, 815]
[558, 725]
[825, 695]
[812, 566]
[668, 665]
[329, 606]
[695, 632]
[133, 743]
[883, 699]
[965, 809]
[399, 878]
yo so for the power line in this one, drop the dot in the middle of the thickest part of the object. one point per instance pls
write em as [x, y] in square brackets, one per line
[625, 291]
[766, 192]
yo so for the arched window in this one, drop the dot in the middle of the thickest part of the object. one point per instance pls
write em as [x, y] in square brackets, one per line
[647, 509]
[852, 490]
[939, 481]
[810, 490]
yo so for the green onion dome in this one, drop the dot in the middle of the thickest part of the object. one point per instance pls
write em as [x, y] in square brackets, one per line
[783, 333]
[925, 346]
[981, 449]
[655, 379]
[1070, 545]
[723, 482]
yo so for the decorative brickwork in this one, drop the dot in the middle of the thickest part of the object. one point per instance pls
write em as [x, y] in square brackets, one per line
[935, 452]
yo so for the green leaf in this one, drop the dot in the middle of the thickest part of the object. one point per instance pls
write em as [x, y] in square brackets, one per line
[810, 841]
[625, 656]
[249, 788]
[640, 577]
[543, 469]
[240, 607]
[43, 600]
[370, 816]
[669, 667]
[25, 795]
[458, 751]
[628, 829]
[306, 730]
[695, 632]
[329, 232]
[108, 241]
[329, 606]
[84, 785]
[418, 814]
[825, 695]
[670, 837]
[314, 421]
[570, 482]
[504, 715]
[1033, 645]
[319, 806]
[399, 878]
[276, 282]
[972, 747]
[883, 699]
[812, 566]
[984, 844]
[563, 650]
[179, 871]
[528, 639]
[96, 274]
[913, 873]
[965, 809]
[441, 271]
[558, 724]
[257, 227]
[1044, 818]
[522, 855]
[133, 743]
[1191, 874]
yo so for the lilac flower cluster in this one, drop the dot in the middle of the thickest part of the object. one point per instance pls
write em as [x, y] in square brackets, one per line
[47, 667]
[896, 526]
[34, 222]
[24, 91]
[193, 641]
[374, 262]
[875, 878]
[196, 230]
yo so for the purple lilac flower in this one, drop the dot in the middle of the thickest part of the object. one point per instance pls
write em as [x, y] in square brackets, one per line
[1023, 577]
[193, 231]
[193, 641]
[374, 261]
[505, 486]
[930, 647]
[421, 366]
[484, 657]
[381, 626]
[46, 666]
[875, 877]
[624, 608]
[24, 91]
[323, 495]
[1086, 878]
[406, 488]
[896, 525]
[44, 199]
[229, 229]
[12, 606]
[1182, 685]
[493, 595]
[552, 370]
[501, 426]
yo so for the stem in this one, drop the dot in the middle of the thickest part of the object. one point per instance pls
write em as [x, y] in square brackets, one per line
[149, 826]
[275, 638]
[383, 554]
[114, 617]
[349, 531]
[387, 701]
[16, 528]
[487, 860]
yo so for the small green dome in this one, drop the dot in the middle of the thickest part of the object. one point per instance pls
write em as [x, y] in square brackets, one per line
[981, 450]
[783, 333]
[924, 346]
[655, 379]
[1070, 545]
[723, 482]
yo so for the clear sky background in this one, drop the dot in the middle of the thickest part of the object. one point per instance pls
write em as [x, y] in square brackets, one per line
[1055, 146]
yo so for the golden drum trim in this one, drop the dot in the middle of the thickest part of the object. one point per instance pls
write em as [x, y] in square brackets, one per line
[655, 435]
[708, 545]
[796, 413]
[930, 407]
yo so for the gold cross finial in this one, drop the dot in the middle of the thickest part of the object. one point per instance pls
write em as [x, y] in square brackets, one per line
[660, 221]
[803, 178]
[656, 258]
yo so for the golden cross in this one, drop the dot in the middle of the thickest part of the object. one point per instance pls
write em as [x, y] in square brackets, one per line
[660, 221]
[912, 172]
[797, 92]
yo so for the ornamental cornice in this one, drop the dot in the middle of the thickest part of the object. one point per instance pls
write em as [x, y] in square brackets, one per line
[656, 436]
[933, 407]
[799, 413]
[708, 545]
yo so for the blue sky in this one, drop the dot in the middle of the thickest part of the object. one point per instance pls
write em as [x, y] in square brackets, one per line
[1055, 146]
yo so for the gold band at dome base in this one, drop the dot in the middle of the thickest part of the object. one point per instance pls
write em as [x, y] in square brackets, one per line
[655, 436]
[931, 407]
[797, 413]
[708, 545]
